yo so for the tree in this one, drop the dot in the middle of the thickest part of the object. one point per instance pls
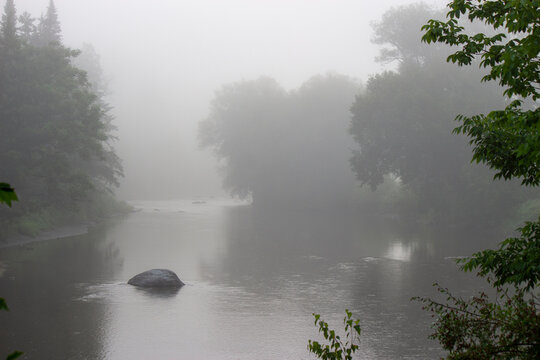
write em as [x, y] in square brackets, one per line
[242, 130]
[398, 31]
[9, 24]
[287, 149]
[27, 28]
[89, 61]
[315, 144]
[507, 140]
[108, 167]
[402, 126]
[49, 30]
[481, 327]
[55, 129]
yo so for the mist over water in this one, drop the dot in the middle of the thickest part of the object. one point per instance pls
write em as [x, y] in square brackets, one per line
[283, 157]
[252, 283]
[165, 59]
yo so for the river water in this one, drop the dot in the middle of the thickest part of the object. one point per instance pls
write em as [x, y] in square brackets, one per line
[252, 282]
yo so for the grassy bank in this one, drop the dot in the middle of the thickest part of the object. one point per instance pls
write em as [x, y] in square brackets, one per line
[25, 222]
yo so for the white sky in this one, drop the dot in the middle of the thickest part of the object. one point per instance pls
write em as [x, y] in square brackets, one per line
[165, 59]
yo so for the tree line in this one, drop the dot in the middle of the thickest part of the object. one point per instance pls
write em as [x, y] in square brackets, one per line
[56, 135]
[314, 146]
[283, 148]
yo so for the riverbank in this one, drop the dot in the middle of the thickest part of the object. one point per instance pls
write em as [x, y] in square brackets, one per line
[51, 223]
[58, 232]
[61, 232]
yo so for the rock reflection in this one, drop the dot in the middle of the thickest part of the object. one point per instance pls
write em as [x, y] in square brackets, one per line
[160, 293]
[256, 278]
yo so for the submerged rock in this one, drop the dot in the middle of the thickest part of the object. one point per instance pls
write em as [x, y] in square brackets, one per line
[156, 278]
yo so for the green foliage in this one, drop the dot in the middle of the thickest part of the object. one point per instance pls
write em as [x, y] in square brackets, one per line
[9, 24]
[7, 194]
[511, 54]
[507, 140]
[336, 347]
[33, 223]
[241, 130]
[14, 355]
[516, 262]
[402, 126]
[272, 142]
[55, 128]
[479, 328]
[398, 32]
[3, 304]
[49, 31]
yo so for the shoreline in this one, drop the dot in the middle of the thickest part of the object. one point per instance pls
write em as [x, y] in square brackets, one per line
[56, 233]
[59, 232]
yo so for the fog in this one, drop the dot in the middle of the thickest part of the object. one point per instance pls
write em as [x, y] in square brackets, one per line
[165, 59]
[284, 158]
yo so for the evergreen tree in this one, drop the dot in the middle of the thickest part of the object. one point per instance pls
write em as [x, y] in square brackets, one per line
[9, 25]
[49, 27]
[27, 29]
[55, 127]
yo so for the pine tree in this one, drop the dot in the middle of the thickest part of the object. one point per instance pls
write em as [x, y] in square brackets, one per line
[9, 25]
[49, 28]
[27, 28]
[55, 128]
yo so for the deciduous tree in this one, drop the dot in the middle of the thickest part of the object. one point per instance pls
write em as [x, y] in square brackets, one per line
[508, 141]
[284, 148]
[402, 124]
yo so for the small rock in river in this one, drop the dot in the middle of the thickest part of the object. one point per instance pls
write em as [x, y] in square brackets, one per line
[158, 278]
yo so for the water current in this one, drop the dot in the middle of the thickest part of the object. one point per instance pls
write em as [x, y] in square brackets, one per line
[253, 280]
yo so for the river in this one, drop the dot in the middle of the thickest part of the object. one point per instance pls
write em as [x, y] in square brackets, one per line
[252, 279]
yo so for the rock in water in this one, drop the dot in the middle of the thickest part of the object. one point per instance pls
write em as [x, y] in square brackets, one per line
[156, 278]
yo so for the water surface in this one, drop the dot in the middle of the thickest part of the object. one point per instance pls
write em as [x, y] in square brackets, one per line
[252, 282]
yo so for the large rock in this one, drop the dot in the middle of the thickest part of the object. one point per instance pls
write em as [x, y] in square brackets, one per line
[156, 278]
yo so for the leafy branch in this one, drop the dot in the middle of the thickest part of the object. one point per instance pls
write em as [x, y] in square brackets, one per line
[7, 196]
[516, 262]
[336, 347]
[478, 328]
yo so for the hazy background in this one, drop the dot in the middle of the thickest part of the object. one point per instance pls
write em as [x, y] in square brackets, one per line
[164, 60]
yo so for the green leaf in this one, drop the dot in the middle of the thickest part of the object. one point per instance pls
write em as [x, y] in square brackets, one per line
[7, 194]
[3, 304]
[14, 355]
[335, 349]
